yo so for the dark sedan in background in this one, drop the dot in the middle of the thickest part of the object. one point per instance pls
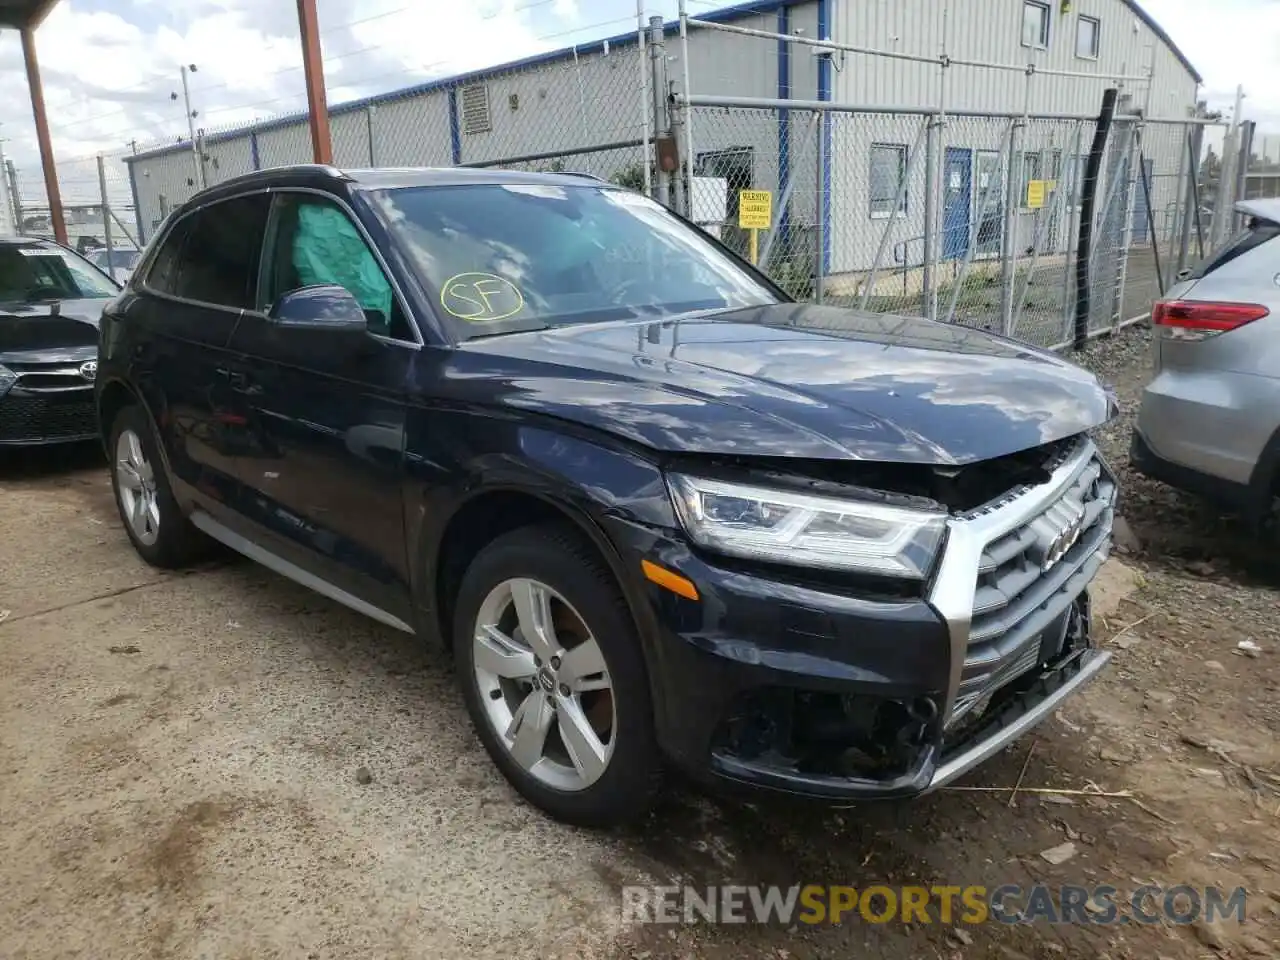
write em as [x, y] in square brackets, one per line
[50, 302]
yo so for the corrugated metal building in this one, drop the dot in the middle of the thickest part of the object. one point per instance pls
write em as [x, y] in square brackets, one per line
[582, 109]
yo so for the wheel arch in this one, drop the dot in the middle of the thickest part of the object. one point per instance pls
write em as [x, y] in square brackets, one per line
[489, 513]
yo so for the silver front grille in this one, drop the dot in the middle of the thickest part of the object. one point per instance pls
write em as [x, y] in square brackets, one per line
[49, 377]
[1028, 577]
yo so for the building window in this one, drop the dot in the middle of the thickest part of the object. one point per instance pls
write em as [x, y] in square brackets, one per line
[1035, 24]
[1088, 31]
[888, 169]
[475, 109]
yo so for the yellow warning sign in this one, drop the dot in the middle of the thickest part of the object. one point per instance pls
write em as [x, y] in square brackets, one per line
[1037, 190]
[755, 209]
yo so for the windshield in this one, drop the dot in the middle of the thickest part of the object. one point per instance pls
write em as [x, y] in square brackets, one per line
[503, 258]
[31, 272]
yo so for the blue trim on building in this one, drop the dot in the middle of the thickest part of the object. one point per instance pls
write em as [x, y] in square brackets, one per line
[784, 119]
[137, 210]
[622, 40]
[253, 150]
[455, 128]
[824, 93]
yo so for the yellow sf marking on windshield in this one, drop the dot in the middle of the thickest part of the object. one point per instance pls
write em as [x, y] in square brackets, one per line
[480, 297]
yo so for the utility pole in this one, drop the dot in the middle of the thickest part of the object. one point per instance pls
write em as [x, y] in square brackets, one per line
[196, 166]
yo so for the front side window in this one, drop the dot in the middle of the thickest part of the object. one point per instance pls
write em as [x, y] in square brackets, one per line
[35, 271]
[888, 168]
[218, 259]
[505, 258]
[314, 242]
[1035, 24]
[1088, 30]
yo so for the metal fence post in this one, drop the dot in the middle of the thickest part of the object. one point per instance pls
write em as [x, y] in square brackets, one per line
[368, 128]
[1173, 229]
[661, 106]
[1009, 245]
[933, 124]
[1073, 227]
[15, 197]
[1084, 245]
[1133, 154]
[106, 214]
[1245, 142]
[819, 206]
[647, 123]
[687, 117]
[1190, 214]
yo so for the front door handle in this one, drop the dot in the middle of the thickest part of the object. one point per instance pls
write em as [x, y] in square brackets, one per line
[238, 379]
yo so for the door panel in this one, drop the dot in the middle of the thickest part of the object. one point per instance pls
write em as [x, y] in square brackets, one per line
[322, 461]
[957, 177]
[202, 278]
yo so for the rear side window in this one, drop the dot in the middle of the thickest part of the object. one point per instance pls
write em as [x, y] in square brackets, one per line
[1257, 233]
[212, 254]
[163, 274]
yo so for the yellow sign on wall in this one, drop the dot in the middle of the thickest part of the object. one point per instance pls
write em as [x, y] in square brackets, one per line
[755, 209]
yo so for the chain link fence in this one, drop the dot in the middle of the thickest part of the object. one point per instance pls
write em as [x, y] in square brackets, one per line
[955, 214]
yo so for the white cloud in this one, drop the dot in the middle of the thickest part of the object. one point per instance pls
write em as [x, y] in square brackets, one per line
[1230, 42]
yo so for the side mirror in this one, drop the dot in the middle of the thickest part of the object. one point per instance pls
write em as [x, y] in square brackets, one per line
[324, 308]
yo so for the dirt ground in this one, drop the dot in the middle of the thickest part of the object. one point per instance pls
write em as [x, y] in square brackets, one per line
[181, 770]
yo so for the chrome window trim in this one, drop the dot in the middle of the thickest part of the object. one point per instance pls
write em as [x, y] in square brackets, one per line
[955, 585]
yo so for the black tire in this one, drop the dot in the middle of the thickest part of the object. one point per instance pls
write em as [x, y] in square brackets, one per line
[178, 543]
[558, 557]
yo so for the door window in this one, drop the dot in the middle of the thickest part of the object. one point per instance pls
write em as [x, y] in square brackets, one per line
[218, 261]
[314, 242]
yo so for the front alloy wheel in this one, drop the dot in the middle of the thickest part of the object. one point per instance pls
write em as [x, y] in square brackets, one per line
[544, 684]
[136, 488]
[554, 676]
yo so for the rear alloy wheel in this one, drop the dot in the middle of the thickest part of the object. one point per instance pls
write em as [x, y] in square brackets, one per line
[136, 488]
[554, 678]
[159, 532]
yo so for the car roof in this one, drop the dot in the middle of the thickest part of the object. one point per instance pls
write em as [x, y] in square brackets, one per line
[322, 176]
[14, 240]
[1266, 208]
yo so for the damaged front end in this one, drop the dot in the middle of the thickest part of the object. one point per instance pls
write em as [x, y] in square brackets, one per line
[1026, 534]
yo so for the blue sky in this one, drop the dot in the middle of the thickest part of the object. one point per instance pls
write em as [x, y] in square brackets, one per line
[110, 65]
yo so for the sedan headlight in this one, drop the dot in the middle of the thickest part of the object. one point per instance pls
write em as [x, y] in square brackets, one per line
[779, 526]
[7, 379]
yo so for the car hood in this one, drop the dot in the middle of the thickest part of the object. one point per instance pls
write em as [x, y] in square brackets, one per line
[49, 332]
[794, 380]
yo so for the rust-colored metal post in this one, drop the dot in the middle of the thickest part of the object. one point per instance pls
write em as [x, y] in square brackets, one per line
[313, 67]
[42, 134]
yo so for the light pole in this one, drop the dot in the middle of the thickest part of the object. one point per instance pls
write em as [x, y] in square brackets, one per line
[197, 166]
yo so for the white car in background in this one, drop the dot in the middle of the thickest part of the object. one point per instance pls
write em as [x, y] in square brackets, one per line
[117, 264]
